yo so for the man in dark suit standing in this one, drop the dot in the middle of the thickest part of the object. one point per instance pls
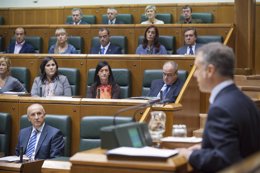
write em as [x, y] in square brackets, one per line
[20, 45]
[77, 16]
[190, 47]
[232, 130]
[112, 17]
[40, 141]
[169, 86]
[105, 46]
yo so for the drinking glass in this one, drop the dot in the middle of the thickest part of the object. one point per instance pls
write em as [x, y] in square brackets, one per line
[157, 125]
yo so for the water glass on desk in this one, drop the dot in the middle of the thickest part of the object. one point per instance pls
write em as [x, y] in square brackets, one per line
[157, 125]
[179, 130]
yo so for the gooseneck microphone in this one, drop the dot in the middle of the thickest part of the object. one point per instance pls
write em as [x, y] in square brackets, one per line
[135, 107]
[98, 93]
[40, 91]
[21, 154]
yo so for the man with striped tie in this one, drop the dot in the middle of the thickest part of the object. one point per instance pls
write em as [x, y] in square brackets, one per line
[39, 141]
[169, 86]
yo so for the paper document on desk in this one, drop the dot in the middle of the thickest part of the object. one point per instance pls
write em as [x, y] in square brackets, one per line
[12, 158]
[181, 139]
[144, 153]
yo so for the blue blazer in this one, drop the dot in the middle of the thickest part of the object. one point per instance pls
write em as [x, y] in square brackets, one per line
[231, 132]
[112, 49]
[172, 94]
[183, 50]
[50, 145]
[27, 48]
[116, 22]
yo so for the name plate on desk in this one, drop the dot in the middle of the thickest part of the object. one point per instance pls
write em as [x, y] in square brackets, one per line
[144, 154]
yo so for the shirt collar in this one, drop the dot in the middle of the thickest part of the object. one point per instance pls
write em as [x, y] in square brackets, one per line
[218, 88]
[20, 43]
[40, 128]
[106, 47]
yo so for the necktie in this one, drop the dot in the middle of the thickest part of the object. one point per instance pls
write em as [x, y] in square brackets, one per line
[102, 50]
[166, 91]
[31, 144]
[191, 51]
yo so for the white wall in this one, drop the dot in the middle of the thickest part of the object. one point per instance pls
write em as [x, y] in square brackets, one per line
[56, 3]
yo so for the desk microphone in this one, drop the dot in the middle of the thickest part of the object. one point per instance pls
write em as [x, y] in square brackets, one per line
[40, 91]
[98, 93]
[21, 154]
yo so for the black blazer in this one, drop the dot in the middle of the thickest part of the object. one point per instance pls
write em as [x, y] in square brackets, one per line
[112, 49]
[231, 132]
[27, 48]
[116, 22]
[172, 94]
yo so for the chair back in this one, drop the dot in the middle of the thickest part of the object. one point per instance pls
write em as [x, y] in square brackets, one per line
[168, 41]
[125, 18]
[165, 17]
[90, 19]
[90, 129]
[2, 21]
[61, 122]
[204, 17]
[122, 77]
[1, 44]
[74, 78]
[152, 74]
[76, 41]
[35, 41]
[5, 132]
[22, 74]
[203, 39]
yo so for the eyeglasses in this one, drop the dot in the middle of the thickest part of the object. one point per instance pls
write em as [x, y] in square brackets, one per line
[168, 74]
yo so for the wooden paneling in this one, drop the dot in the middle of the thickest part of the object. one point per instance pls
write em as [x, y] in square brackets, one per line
[257, 40]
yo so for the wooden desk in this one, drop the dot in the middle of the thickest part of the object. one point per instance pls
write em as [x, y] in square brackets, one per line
[26, 167]
[53, 166]
[77, 108]
[95, 161]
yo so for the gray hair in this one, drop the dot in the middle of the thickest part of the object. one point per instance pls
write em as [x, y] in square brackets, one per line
[219, 55]
[77, 9]
[173, 64]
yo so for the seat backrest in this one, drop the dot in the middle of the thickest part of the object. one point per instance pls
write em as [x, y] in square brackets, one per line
[204, 17]
[73, 77]
[203, 39]
[168, 41]
[2, 21]
[76, 41]
[5, 132]
[22, 74]
[61, 122]
[122, 77]
[152, 74]
[165, 17]
[35, 41]
[120, 41]
[125, 18]
[90, 19]
[1, 44]
[90, 129]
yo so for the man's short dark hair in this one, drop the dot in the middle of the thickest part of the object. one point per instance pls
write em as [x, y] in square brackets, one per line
[219, 55]
[186, 7]
[191, 29]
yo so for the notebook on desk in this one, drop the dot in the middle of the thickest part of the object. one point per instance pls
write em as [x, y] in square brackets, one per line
[143, 153]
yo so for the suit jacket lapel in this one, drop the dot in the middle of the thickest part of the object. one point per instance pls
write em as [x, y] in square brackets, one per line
[42, 137]
[26, 137]
[109, 49]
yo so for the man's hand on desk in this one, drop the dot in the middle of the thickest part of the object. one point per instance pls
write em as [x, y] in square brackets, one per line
[186, 152]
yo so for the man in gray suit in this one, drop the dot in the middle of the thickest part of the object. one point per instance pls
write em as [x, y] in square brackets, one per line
[190, 47]
[231, 131]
